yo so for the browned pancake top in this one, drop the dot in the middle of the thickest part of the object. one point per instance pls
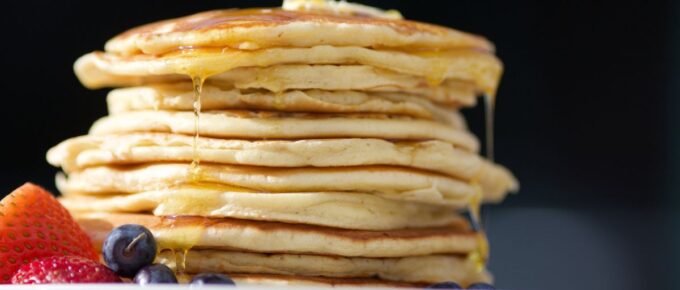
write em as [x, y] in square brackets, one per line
[245, 18]
[227, 21]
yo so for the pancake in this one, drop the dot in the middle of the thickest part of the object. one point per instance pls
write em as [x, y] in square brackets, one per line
[262, 28]
[86, 151]
[187, 232]
[179, 97]
[415, 269]
[340, 210]
[481, 68]
[280, 78]
[281, 125]
[392, 182]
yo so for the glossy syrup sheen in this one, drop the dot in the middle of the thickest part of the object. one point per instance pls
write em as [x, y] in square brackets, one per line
[275, 16]
[480, 256]
[271, 17]
[194, 171]
[187, 237]
[206, 61]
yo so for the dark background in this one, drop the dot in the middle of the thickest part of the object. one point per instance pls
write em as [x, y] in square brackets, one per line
[587, 119]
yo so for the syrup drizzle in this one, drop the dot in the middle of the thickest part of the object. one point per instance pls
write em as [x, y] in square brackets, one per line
[195, 170]
[182, 266]
[475, 206]
[178, 241]
[480, 255]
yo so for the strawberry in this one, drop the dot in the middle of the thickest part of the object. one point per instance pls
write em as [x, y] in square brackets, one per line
[64, 269]
[34, 225]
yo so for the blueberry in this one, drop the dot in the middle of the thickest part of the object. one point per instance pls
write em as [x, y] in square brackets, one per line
[128, 248]
[155, 274]
[481, 286]
[445, 285]
[211, 278]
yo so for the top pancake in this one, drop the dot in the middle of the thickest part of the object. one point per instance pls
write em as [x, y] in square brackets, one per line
[215, 42]
[436, 66]
[251, 29]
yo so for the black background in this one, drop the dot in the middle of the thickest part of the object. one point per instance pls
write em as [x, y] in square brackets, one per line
[587, 119]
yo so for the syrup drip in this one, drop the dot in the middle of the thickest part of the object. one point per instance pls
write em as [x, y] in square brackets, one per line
[481, 254]
[178, 241]
[278, 101]
[176, 260]
[188, 238]
[194, 171]
[475, 206]
[182, 263]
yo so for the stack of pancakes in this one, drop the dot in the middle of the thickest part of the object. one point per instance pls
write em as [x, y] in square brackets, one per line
[319, 143]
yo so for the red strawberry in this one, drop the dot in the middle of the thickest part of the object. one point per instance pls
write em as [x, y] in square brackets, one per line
[64, 269]
[34, 225]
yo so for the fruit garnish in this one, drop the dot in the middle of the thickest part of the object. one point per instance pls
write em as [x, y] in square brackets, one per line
[445, 285]
[64, 269]
[212, 278]
[129, 248]
[34, 225]
[155, 274]
[481, 286]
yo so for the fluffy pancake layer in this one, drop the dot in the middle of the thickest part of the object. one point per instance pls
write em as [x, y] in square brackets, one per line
[480, 68]
[281, 78]
[415, 269]
[87, 151]
[183, 232]
[393, 182]
[332, 209]
[261, 28]
[281, 125]
[179, 97]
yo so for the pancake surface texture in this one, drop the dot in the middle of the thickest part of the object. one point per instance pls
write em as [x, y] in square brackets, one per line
[436, 156]
[261, 28]
[272, 237]
[423, 269]
[482, 69]
[393, 182]
[179, 97]
[281, 78]
[318, 143]
[333, 209]
[263, 125]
